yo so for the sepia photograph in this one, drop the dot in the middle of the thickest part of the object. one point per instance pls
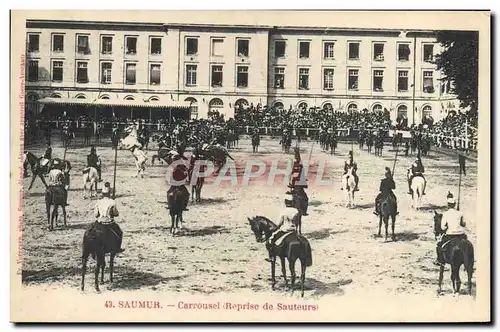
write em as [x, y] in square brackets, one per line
[250, 166]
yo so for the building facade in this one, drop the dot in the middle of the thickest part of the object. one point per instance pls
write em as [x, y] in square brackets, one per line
[224, 68]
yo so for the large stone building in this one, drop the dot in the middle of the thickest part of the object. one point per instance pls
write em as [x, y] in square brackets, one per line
[144, 69]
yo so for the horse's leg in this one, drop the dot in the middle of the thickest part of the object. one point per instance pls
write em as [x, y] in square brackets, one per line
[386, 225]
[47, 206]
[380, 225]
[291, 264]
[302, 276]
[273, 268]
[456, 273]
[64, 213]
[283, 270]
[111, 266]
[393, 217]
[33, 177]
[172, 228]
[85, 257]
[103, 265]
[193, 191]
[96, 272]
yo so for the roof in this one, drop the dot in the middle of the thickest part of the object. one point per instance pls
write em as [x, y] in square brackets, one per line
[114, 102]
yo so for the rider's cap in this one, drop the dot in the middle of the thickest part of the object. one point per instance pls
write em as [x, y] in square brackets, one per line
[451, 200]
[107, 188]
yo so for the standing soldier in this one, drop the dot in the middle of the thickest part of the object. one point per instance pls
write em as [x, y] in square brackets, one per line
[461, 161]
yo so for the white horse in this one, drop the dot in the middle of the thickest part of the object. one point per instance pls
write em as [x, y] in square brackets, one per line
[132, 138]
[417, 188]
[91, 177]
[56, 178]
[348, 184]
[140, 160]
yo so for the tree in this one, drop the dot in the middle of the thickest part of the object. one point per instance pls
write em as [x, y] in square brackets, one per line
[459, 63]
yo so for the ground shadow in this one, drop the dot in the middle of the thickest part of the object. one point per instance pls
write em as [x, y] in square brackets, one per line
[366, 206]
[320, 288]
[37, 194]
[207, 201]
[407, 236]
[80, 225]
[431, 207]
[322, 234]
[129, 278]
[124, 195]
[204, 231]
[49, 275]
[315, 203]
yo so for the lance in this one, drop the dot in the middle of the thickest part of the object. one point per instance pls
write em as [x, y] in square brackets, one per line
[459, 187]
[395, 160]
[114, 170]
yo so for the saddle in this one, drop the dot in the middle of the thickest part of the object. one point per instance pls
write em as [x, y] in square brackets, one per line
[278, 240]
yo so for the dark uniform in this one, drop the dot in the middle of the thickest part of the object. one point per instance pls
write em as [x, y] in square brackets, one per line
[417, 169]
[296, 172]
[387, 186]
[407, 148]
[351, 164]
[93, 161]
[179, 174]
[461, 161]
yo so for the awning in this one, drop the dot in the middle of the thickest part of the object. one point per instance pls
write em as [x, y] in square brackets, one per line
[114, 102]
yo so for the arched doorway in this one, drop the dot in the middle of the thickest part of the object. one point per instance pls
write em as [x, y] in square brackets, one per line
[194, 107]
[377, 108]
[278, 105]
[31, 108]
[81, 96]
[302, 106]
[402, 116]
[215, 106]
[241, 104]
[328, 106]
[427, 118]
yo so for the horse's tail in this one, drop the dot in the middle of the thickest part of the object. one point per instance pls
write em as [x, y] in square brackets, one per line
[86, 170]
[308, 254]
[468, 252]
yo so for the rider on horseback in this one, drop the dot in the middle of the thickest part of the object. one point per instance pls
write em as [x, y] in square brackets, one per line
[289, 215]
[296, 172]
[46, 157]
[453, 224]
[351, 164]
[179, 174]
[386, 186]
[105, 212]
[416, 169]
[93, 160]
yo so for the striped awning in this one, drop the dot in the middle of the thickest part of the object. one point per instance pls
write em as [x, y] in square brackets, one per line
[114, 102]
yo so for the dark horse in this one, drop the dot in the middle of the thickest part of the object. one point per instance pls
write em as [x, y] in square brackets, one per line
[294, 247]
[99, 240]
[387, 209]
[379, 146]
[177, 201]
[55, 196]
[38, 170]
[333, 143]
[255, 142]
[456, 252]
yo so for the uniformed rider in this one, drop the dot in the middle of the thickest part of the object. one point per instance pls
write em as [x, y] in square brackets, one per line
[296, 172]
[47, 156]
[93, 160]
[351, 164]
[453, 224]
[387, 185]
[416, 169]
[105, 212]
[179, 174]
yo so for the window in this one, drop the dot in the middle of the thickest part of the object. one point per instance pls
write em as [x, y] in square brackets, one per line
[191, 75]
[329, 50]
[427, 112]
[378, 52]
[243, 47]
[191, 46]
[428, 53]
[242, 77]
[82, 45]
[377, 108]
[106, 44]
[303, 78]
[279, 105]
[403, 80]
[82, 72]
[304, 49]
[353, 51]
[328, 79]
[403, 52]
[279, 49]
[378, 80]
[428, 82]
[33, 43]
[302, 106]
[279, 78]
[155, 46]
[131, 45]
[130, 72]
[328, 107]
[217, 45]
[57, 43]
[194, 106]
[155, 74]
[217, 76]
[352, 108]
[402, 112]
[57, 71]
[106, 72]
[353, 79]
[33, 71]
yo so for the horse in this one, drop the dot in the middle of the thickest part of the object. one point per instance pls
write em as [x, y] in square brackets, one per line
[255, 142]
[218, 155]
[90, 176]
[55, 196]
[417, 189]
[348, 184]
[176, 205]
[163, 154]
[413, 145]
[36, 169]
[379, 146]
[87, 134]
[456, 252]
[196, 187]
[132, 139]
[333, 144]
[294, 247]
[140, 160]
[67, 136]
[387, 209]
[98, 240]
[286, 142]
[369, 142]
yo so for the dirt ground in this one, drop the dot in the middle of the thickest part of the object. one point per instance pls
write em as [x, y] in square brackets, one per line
[217, 252]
